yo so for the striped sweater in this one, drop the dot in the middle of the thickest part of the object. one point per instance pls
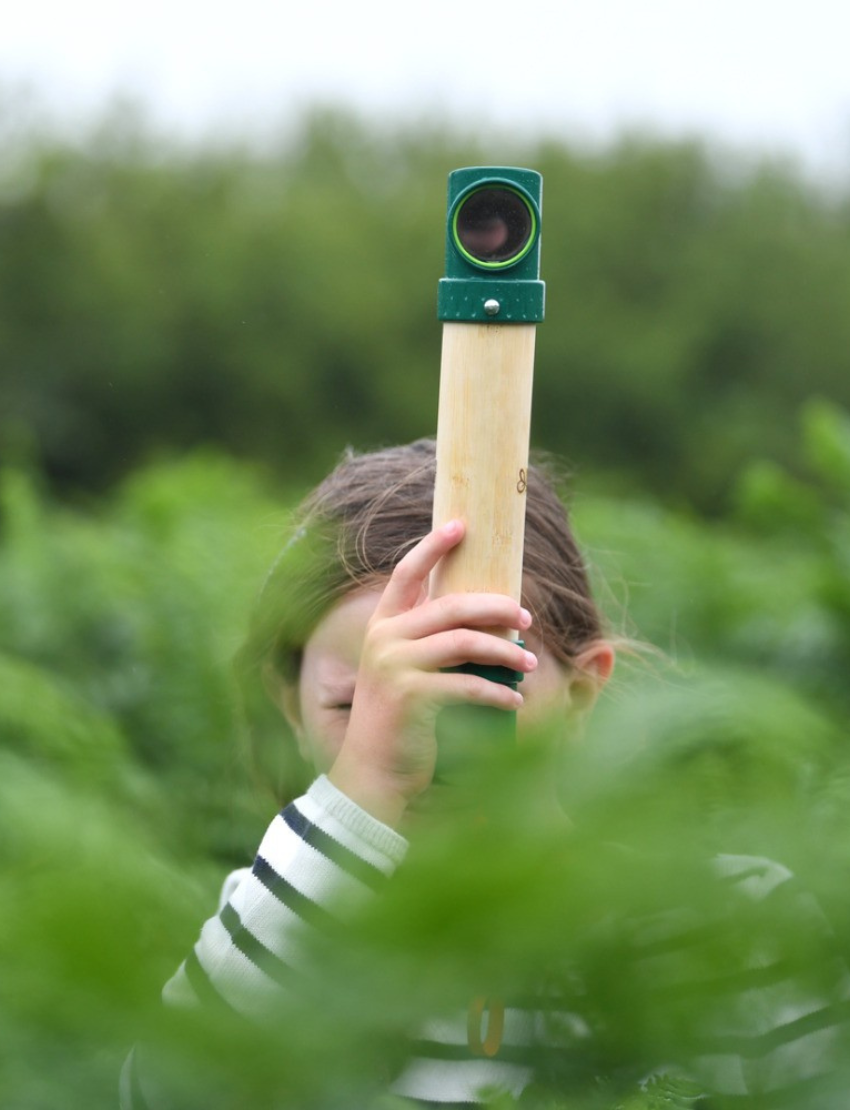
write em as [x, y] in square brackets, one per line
[322, 853]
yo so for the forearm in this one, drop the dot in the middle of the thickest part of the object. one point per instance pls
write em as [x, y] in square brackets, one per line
[321, 857]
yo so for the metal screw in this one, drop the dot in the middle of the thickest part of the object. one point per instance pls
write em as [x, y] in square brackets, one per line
[492, 307]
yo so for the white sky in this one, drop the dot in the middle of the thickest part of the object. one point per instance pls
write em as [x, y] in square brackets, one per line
[769, 74]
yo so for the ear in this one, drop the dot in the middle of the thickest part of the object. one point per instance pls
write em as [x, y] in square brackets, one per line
[592, 669]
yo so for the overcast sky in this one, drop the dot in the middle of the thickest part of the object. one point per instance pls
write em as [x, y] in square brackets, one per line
[767, 74]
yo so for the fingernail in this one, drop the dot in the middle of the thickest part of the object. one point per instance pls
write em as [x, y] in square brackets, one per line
[531, 659]
[525, 617]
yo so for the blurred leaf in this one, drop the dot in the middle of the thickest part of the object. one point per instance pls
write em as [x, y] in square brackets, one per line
[827, 443]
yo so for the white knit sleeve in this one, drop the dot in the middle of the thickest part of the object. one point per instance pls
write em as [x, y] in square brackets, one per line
[321, 857]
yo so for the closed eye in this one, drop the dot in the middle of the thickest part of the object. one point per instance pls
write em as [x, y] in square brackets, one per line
[337, 698]
[340, 704]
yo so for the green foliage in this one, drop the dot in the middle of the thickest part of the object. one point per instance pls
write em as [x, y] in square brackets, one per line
[123, 629]
[764, 590]
[124, 795]
[282, 302]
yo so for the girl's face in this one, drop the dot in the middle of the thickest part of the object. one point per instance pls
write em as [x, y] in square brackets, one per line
[318, 708]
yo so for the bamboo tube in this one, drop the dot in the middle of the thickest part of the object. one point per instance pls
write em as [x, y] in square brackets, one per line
[483, 430]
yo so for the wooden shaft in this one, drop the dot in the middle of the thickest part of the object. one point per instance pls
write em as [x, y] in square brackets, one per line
[483, 429]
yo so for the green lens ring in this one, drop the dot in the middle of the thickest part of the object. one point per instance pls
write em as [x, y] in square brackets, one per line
[495, 185]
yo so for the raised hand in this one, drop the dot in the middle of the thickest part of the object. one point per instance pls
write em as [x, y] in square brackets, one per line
[389, 750]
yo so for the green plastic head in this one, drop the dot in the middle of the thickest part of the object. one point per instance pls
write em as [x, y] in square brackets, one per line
[493, 247]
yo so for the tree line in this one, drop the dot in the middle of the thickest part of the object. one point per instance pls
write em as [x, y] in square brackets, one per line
[280, 302]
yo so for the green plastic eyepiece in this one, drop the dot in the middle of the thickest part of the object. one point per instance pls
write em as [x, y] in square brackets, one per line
[493, 247]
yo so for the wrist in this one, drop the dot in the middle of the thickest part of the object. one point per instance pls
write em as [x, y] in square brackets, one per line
[370, 790]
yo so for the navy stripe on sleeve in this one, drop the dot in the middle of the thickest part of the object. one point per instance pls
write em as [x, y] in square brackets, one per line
[732, 984]
[293, 899]
[337, 853]
[254, 950]
[752, 1048]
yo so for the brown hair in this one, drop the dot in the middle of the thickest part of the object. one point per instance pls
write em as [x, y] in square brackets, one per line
[356, 525]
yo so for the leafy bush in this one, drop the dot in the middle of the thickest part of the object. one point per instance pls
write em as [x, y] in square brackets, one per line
[124, 795]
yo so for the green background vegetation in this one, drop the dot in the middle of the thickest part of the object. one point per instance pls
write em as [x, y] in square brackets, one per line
[189, 337]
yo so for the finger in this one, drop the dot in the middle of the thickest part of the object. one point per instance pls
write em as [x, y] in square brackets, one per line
[464, 645]
[460, 688]
[465, 610]
[408, 579]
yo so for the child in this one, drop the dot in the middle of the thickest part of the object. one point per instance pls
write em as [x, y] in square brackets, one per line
[367, 554]
[354, 654]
